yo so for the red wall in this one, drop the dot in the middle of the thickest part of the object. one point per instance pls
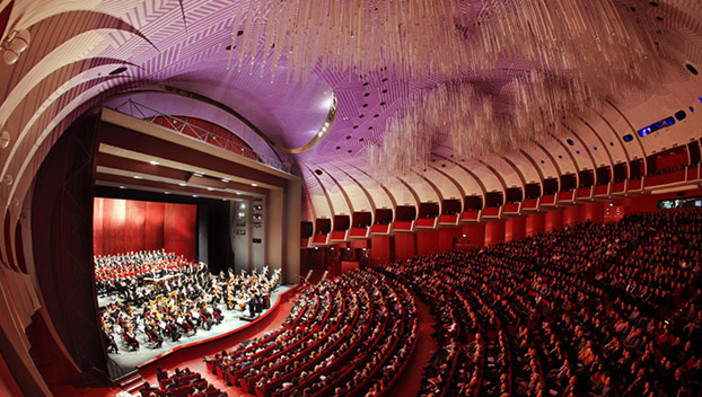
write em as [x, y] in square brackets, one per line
[475, 233]
[572, 215]
[380, 250]
[515, 229]
[553, 220]
[404, 246]
[535, 224]
[494, 232]
[427, 242]
[593, 212]
[446, 237]
[128, 225]
[383, 249]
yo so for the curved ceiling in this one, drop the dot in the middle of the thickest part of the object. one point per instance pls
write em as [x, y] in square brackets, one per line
[88, 53]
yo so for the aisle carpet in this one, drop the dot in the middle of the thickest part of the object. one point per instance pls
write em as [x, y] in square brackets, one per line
[410, 380]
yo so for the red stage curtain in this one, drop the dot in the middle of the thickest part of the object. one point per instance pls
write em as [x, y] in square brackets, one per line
[179, 229]
[153, 225]
[128, 225]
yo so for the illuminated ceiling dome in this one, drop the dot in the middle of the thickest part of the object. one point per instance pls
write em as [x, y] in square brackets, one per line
[373, 105]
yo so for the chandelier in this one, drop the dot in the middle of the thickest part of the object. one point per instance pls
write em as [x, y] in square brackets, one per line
[553, 58]
[356, 36]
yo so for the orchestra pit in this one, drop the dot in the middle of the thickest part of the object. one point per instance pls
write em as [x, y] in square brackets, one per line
[351, 198]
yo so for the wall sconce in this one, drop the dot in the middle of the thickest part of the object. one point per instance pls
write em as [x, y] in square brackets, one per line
[14, 44]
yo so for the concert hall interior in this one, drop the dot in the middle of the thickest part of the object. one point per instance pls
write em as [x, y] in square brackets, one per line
[350, 198]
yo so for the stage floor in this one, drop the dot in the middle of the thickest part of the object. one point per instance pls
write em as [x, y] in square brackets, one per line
[127, 361]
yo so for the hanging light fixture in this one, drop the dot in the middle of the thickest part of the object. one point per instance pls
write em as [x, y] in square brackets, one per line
[552, 58]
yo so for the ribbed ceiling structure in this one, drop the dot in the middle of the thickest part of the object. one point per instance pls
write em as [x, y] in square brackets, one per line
[84, 54]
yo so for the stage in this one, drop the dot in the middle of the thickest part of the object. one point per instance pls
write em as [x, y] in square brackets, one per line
[126, 361]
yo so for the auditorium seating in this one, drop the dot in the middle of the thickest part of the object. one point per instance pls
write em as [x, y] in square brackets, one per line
[183, 383]
[354, 333]
[595, 309]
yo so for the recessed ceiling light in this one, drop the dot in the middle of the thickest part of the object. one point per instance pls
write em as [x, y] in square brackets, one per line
[154, 162]
[254, 184]
[182, 184]
[122, 187]
[210, 188]
[225, 180]
[137, 177]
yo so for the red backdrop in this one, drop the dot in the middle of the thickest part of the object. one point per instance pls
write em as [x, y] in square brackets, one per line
[129, 225]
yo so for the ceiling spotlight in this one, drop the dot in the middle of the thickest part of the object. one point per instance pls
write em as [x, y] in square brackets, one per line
[153, 162]
[137, 177]
[14, 44]
[122, 187]
[195, 195]
[198, 174]
[166, 192]
[182, 184]
[225, 180]
[254, 184]
[210, 188]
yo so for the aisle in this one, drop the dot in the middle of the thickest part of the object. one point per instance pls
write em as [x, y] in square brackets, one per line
[411, 378]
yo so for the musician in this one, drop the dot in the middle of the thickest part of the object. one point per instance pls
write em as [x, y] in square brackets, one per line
[164, 296]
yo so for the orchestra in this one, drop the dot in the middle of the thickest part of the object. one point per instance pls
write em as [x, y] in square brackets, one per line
[153, 296]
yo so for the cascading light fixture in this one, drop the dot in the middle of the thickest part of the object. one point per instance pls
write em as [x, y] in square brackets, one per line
[358, 36]
[554, 58]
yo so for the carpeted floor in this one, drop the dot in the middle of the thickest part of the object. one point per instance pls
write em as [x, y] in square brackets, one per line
[411, 378]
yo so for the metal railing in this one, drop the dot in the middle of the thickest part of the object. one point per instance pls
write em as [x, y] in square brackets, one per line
[185, 128]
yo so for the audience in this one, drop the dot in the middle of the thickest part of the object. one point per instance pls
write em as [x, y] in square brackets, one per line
[350, 335]
[181, 383]
[590, 310]
[595, 309]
